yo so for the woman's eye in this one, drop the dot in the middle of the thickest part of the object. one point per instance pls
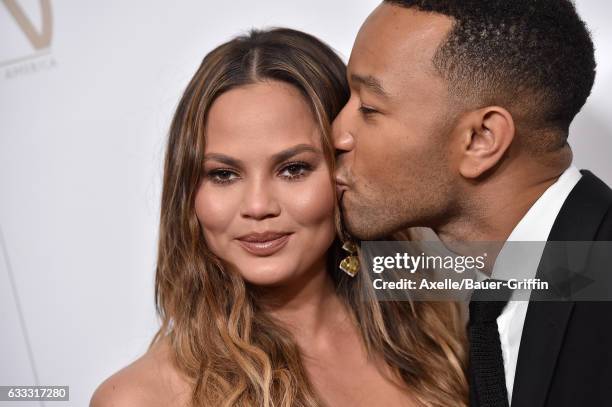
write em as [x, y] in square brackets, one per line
[222, 176]
[295, 170]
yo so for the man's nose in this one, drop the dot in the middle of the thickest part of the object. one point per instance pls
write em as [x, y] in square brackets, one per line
[342, 137]
[260, 201]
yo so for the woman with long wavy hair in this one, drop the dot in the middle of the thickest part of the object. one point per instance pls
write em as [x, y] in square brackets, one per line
[254, 309]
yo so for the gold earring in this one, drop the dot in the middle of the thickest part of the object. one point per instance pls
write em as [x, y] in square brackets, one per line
[350, 264]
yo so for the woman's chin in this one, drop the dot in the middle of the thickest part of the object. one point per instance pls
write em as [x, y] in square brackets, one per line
[268, 277]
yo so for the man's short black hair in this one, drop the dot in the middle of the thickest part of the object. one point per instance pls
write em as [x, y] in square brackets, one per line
[534, 57]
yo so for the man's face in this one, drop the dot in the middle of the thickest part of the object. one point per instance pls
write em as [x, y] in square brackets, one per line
[394, 167]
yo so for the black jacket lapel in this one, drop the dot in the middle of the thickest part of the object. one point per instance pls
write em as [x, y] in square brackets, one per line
[546, 322]
[583, 210]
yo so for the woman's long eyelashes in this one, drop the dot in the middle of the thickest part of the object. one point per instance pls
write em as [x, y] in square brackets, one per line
[295, 170]
[221, 176]
[292, 171]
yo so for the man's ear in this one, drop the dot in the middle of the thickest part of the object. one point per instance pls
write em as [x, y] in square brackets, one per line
[486, 135]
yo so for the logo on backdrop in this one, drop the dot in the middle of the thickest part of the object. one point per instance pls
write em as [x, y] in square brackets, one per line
[37, 56]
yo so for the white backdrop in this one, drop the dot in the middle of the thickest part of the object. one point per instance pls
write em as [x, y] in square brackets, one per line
[85, 103]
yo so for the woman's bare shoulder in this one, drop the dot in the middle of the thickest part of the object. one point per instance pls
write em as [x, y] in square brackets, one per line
[151, 381]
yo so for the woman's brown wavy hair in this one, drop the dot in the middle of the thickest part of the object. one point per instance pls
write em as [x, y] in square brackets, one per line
[232, 352]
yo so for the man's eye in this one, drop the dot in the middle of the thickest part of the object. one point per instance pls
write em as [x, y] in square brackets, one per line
[367, 111]
[222, 176]
[295, 170]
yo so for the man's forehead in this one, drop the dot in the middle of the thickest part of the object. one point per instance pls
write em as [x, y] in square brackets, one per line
[394, 35]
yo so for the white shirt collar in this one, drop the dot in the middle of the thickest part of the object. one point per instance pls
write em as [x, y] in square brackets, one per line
[539, 220]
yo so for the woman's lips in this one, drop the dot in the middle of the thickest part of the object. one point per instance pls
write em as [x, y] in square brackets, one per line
[264, 246]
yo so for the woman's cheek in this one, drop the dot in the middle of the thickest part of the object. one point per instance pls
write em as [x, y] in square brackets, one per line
[215, 208]
[314, 202]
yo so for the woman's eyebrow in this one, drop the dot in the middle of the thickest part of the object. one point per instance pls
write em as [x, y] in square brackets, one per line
[276, 158]
[293, 151]
[225, 159]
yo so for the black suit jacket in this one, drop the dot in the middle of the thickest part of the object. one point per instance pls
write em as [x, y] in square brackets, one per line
[565, 356]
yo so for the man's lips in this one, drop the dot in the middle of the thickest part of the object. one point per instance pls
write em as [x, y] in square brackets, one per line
[264, 244]
[341, 186]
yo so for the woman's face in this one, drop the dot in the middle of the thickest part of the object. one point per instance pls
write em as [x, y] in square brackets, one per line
[266, 200]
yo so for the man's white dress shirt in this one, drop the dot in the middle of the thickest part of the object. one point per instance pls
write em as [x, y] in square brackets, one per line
[534, 226]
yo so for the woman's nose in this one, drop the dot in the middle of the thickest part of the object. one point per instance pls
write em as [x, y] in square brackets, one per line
[260, 201]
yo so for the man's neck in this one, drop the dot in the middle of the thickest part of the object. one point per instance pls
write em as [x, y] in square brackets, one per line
[494, 208]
